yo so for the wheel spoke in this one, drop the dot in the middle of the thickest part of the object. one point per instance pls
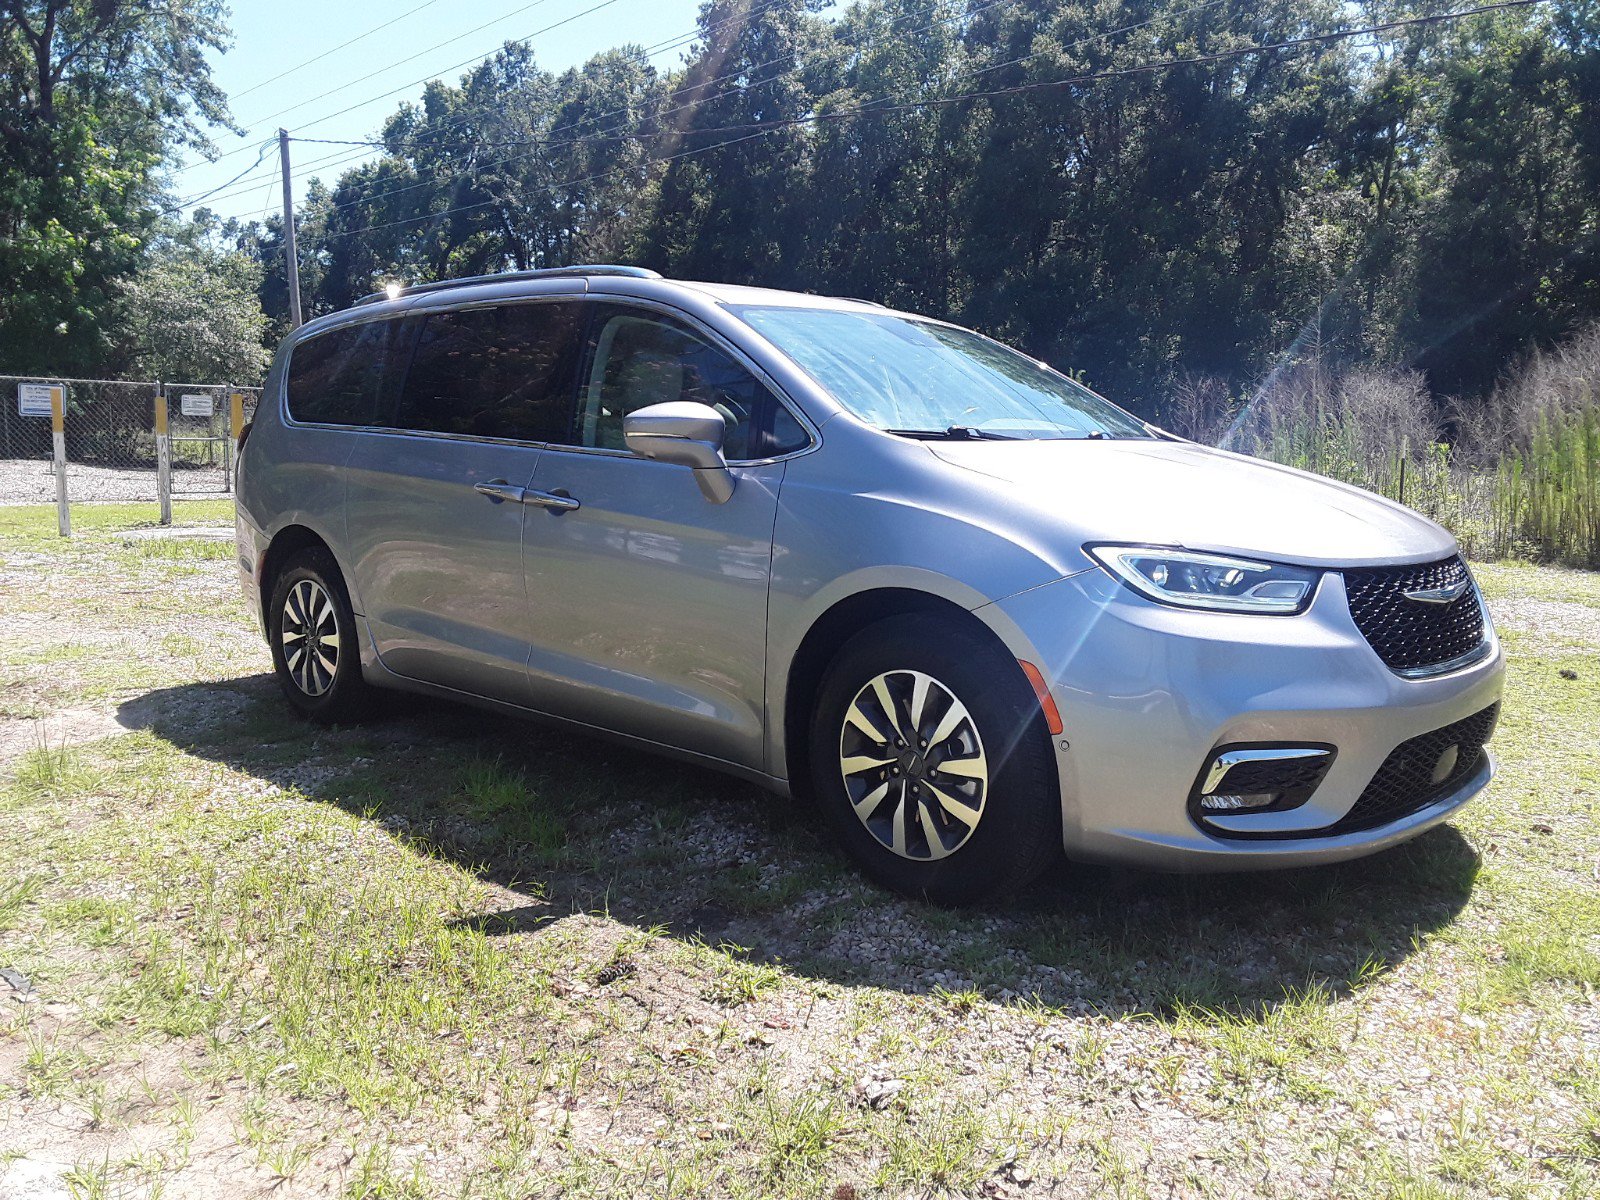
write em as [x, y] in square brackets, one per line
[976, 767]
[880, 687]
[930, 830]
[930, 808]
[856, 716]
[898, 822]
[953, 716]
[858, 763]
[868, 804]
[920, 685]
[310, 638]
[963, 811]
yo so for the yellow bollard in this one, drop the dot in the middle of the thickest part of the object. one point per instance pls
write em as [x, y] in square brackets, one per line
[58, 440]
[235, 428]
[163, 461]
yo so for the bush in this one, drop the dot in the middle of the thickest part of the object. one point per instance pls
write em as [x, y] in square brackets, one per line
[1517, 475]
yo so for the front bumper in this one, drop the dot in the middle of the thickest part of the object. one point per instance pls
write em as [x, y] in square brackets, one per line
[1147, 692]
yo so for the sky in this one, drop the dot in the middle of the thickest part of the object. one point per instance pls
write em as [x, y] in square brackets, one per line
[402, 44]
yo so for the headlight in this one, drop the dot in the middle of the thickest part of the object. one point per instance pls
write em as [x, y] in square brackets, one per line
[1213, 581]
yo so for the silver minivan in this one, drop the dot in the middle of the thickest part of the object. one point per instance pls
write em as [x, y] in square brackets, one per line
[972, 612]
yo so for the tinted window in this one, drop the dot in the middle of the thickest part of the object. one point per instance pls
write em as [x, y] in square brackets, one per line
[337, 378]
[785, 434]
[641, 359]
[494, 372]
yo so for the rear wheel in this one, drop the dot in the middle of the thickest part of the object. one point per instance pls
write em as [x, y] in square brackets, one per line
[931, 762]
[313, 640]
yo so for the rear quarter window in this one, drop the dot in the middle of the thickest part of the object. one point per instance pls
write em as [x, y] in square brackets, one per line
[497, 372]
[338, 377]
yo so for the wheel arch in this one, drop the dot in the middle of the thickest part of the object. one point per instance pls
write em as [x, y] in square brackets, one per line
[285, 543]
[836, 625]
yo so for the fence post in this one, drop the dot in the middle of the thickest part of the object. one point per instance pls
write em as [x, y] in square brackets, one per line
[58, 439]
[235, 428]
[163, 460]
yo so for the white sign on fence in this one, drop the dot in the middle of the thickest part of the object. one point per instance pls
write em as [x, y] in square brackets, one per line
[33, 399]
[192, 404]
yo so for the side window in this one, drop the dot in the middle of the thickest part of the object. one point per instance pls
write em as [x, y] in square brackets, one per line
[642, 359]
[501, 372]
[785, 434]
[338, 377]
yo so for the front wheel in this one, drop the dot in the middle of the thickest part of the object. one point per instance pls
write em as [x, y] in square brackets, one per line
[931, 762]
[312, 631]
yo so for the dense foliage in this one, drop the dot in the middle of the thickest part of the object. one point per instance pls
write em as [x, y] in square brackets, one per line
[1426, 198]
[1429, 196]
[95, 97]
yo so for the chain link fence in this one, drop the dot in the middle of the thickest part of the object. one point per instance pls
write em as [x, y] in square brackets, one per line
[110, 438]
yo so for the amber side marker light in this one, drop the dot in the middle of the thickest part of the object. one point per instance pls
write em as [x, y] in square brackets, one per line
[1047, 703]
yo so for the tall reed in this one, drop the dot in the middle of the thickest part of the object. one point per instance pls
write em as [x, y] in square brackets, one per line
[1514, 476]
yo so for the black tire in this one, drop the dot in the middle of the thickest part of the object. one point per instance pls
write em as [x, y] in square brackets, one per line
[1017, 832]
[344, 696]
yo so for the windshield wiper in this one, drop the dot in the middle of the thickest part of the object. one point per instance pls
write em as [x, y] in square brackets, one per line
[957, 433]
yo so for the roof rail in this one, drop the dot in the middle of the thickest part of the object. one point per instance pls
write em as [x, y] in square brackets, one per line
[418, 289]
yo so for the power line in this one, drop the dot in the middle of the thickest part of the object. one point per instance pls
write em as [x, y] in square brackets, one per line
[339, 158]
[391, 66]
[260, 156]
[757, 129]
[609, 135]
[342, 45]
[258, 121]
[646, 52]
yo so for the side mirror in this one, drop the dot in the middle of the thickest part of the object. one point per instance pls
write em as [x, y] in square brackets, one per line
[687, 434]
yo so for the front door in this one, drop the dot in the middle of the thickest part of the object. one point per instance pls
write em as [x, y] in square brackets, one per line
[433, 507]
[648, 601]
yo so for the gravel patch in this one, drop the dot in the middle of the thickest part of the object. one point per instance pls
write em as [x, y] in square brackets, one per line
[33, 481]
[1559, 620]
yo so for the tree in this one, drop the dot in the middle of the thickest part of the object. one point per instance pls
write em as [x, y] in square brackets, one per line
[722, 208]
[192, 313]
[94, 94]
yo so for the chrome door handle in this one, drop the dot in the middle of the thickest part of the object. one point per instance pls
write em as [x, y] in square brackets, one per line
[498, 490]
[555, 500]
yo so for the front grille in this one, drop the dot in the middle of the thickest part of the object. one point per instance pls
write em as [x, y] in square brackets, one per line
[1412, 635]
[1405, 782]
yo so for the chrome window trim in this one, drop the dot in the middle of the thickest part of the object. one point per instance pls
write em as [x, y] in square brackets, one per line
[293, 344]
[419, 308]
[733, 351]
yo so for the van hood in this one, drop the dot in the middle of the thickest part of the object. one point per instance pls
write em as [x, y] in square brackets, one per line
[1182, 494]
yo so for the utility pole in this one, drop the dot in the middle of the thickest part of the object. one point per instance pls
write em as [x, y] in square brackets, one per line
[292, 257]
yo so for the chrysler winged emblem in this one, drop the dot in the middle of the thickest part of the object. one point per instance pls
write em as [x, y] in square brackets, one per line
[1447, 594]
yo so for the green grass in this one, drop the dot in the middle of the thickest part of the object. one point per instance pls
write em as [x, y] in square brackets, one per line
[448, 954]
[32, 523]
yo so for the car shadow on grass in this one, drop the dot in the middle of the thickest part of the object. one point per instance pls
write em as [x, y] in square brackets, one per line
[579, 824]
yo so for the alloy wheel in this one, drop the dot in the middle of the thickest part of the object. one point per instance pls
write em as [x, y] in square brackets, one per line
[311, 637]
[913, 765]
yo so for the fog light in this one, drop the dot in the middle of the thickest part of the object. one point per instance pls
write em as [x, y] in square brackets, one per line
[1237, 803]
[1242, 779]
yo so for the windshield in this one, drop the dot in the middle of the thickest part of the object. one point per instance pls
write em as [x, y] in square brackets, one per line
[923, 379]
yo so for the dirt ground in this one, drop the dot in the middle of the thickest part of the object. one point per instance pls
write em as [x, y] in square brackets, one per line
[444, 954]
